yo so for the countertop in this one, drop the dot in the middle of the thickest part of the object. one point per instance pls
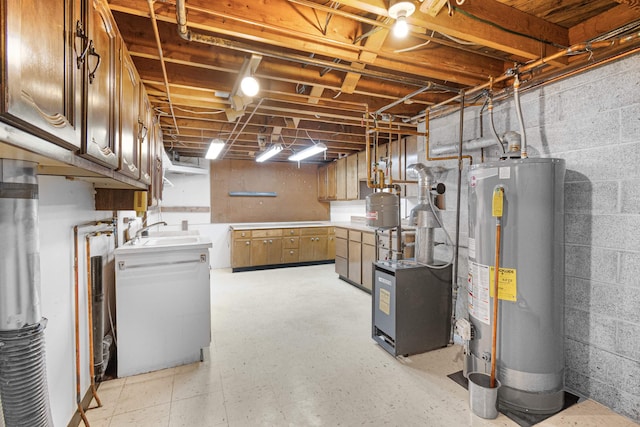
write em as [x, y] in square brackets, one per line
[265, 225]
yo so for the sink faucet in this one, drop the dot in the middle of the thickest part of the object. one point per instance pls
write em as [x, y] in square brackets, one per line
[139, 233]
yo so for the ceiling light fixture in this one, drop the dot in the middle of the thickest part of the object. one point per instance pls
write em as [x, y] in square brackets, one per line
[272, 151]
[400, 11]
[308, 152]
[214, 150]
[249, 86]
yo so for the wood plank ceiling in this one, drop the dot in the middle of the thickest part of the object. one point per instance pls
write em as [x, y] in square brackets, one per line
[326, 66]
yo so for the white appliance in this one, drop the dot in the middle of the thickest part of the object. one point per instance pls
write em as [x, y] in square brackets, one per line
[163, 305]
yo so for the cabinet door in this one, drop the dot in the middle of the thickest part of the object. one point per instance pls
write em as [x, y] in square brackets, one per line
[355, 261]
[331, 247]
[41, 81]
[99, 141]
[368, 258]
[156, 163]
[274, 250]
[362, 166]
[129, 109]
[352, 177]
[341, 179]
[321, 248]
[322, 183]
[146, 116]
[307, 248]
[331, 182]
[259, 251]
[241, 256]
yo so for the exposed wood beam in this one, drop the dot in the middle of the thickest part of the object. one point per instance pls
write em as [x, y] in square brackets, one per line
[474, 30]
[635, 4]
[374, 42]
[603, 23]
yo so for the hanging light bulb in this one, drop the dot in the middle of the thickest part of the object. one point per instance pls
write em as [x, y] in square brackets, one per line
[249, 86]
[401, 27]
[400, 11]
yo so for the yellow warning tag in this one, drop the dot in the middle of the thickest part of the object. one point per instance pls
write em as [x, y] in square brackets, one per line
[507, 286]
[385, 301]
[496, 206]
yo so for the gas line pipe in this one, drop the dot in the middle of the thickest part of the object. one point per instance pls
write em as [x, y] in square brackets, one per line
[497, 211]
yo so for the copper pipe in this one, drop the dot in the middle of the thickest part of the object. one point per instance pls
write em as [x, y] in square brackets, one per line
[94, 391]
[540, 62]
[77, 325]
[426, 136]
[154, 23]
[76, 229]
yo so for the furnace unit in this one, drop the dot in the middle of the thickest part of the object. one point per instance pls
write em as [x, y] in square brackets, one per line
[411, 307]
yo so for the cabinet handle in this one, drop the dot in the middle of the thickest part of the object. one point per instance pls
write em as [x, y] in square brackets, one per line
[291, 240]
[270, 241]
[92, 52]
[247, 243]
[80, 33]
[291, 252]
[264, 242]
[291, 232]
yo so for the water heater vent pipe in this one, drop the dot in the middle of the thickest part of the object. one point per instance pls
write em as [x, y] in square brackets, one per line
[516, 97]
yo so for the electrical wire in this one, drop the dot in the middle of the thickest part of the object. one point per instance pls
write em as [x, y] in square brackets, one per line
[500, 27]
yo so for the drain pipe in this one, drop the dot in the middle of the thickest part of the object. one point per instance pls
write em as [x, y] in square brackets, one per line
[23, 378]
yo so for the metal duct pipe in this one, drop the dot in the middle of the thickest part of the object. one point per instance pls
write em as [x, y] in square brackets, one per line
[19, 257]
[468, 146]
[23, 379]
[422, 215]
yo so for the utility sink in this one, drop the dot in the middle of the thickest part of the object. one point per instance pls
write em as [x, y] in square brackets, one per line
[165, 243]
[169, 241]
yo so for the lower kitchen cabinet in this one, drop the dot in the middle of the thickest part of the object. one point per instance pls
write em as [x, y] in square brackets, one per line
[355, 254]
[260, 248]
[368, 258]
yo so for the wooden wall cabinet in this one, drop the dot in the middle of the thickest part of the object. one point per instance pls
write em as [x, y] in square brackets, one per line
[352, 177]
[145, 136]
[341, 179]
[327, 182]
[362, 166]
[41, 80]
[99, 66]
[129, 115]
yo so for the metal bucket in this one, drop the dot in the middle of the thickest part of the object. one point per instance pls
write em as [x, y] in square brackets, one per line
[483, 399]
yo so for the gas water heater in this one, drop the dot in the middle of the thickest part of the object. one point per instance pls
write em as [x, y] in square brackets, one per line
[530, 326]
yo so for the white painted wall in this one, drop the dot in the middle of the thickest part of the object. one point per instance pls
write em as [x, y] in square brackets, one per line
[62, 205]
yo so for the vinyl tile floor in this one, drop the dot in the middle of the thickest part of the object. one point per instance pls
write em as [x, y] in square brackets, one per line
[292, 347]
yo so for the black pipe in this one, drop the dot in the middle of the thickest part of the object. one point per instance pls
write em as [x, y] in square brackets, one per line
[98, 316]
[457, 243]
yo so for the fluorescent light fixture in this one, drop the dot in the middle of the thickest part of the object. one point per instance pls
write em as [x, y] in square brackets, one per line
[308, 152]
[272, 151]
[214, 150]
[249, 86]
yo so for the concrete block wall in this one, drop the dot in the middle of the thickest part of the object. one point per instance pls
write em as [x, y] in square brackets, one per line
[591, 120]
